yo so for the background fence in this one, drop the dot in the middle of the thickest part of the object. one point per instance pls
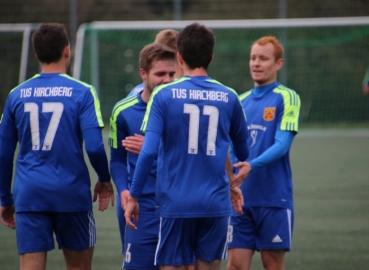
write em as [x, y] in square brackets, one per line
[322, 59]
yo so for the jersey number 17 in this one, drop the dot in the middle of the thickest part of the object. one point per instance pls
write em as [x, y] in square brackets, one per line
[56, 108]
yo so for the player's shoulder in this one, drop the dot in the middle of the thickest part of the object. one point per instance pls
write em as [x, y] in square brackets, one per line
[223, 86]
[280, 88]
[24, 85]
[125, 104]
[137, 89]
[75, 82]
[244, 95]
[178, 82]
[289, 96]
[158, 90]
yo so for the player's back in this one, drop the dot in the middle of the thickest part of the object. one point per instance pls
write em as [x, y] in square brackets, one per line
[200, 115]
[50, 111]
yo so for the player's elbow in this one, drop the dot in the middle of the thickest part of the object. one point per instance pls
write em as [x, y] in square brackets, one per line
[241, 150]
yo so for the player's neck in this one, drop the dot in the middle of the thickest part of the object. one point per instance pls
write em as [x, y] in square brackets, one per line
[195, 72]
[54, 68]
[260, 90]
[145, 95]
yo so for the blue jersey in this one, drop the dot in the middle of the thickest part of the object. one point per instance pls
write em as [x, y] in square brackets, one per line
[196, 117]
[126, 120]
[278, 109]
[47, 115]
[137, 89]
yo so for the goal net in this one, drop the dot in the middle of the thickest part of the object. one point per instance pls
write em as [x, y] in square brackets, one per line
[17, 61]
[325, 61]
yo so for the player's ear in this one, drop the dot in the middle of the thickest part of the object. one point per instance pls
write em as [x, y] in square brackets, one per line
[180, 59]
[279, 63]
[66, 51]
[143, 74]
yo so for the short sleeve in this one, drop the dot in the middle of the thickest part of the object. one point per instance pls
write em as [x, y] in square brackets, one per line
[289, 113]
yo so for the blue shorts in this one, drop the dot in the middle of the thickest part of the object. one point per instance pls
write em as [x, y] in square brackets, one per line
[181, 240]
[73, 230]
[141, 244]
[121, 220]
[261, 228]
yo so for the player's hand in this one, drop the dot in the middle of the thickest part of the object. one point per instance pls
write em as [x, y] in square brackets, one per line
[7, 216]
[124, 195]
[244, 169]
[134, 143]
[237, 199]
[131, 212]
[105, 192]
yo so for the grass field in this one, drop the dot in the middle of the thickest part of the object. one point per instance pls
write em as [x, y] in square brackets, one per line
[331, 181]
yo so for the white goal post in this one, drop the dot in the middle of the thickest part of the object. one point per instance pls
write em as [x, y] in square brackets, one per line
[27, 29]
[212, 24]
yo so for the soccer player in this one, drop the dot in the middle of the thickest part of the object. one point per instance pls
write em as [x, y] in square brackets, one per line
[194, 119]
[51, 115]
[272, 119]
[167, 37]
[157, 66]
[134, 143]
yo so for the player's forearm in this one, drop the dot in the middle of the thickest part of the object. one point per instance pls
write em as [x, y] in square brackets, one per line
[282, 145]
[99, 162]
[143, 168]
[118, 170]
[96, 153]
[7, 149]
[144, 164]
[229, 168]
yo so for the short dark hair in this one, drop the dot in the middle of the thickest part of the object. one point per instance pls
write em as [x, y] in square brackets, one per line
[155, 52]
[195, 43]
[49, 41]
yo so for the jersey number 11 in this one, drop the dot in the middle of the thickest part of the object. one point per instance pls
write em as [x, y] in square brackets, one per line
[193, 133]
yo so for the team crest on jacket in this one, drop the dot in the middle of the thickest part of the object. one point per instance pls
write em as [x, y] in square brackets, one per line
[269, 113]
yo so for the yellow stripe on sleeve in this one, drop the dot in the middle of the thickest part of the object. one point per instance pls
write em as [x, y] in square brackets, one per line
[292, 104]
[149, 104]
[94, 95]
[126, 103]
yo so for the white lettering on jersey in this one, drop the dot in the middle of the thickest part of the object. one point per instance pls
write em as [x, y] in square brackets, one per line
[26, 92]
[200, 94]
[56, 91]
[179, 93]
[260, 127]
[208, 95]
